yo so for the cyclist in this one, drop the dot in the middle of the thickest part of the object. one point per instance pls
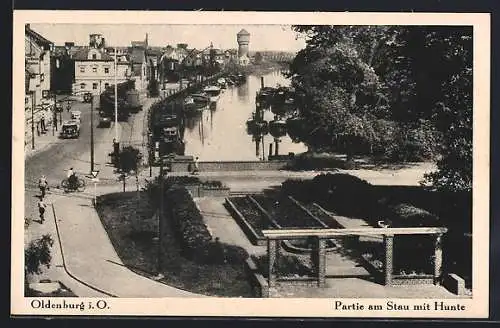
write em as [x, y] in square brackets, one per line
[72, 179]
[42, 184]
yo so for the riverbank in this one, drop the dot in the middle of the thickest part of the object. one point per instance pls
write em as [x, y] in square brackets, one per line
[262, 68]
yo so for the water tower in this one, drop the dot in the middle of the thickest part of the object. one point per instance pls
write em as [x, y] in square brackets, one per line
[243, 38]
[96, 41]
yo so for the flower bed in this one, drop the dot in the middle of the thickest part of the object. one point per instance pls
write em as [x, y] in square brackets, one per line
[286, 213]
[252, 214]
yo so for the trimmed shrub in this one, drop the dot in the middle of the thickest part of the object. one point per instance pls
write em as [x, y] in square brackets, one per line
[405, 215]
[188, 222]
[299, 189]
[345, 194]
[193, 235]
[213, 184]
[312, 161]
[181, 180]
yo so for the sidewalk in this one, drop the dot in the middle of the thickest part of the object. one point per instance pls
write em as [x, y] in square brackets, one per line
[90, 256]
[58, 271]
[45, 141]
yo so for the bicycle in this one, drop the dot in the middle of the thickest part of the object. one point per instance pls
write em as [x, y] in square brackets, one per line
[80, 185]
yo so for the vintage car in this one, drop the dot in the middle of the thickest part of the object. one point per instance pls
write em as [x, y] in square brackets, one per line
[70, 129]
[104, 121]
[76, 115]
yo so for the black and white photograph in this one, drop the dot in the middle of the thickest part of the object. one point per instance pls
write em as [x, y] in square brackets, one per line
[231, 164]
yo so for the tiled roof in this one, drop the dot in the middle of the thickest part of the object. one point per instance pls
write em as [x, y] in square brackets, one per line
[82, 55]
[36, 37]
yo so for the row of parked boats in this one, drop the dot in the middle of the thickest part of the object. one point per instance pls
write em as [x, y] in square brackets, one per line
[281, 101]
[210, 94]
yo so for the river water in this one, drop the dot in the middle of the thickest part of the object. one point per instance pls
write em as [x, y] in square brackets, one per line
[221, 134]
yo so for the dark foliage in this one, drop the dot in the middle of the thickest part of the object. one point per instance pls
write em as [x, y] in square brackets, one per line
[38, 254]
[193, 235]
[130, 158]
[285, 265]
[345, 194]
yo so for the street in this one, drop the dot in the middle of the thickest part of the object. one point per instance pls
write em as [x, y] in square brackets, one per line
[55, 160]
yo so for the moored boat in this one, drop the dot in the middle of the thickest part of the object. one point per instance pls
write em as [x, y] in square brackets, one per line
[213, 92]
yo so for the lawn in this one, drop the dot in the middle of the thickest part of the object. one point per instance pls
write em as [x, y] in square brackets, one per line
[132, 227]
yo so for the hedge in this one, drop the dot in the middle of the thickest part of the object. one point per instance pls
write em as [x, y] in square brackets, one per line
[345, 195]
[192, 233]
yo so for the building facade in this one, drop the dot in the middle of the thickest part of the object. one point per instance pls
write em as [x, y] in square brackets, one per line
[38, 67]
[95, 70]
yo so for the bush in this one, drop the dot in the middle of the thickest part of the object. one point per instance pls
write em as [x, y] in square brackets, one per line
[129, 159]
[299, 189]
[405, 215]
[345, 194]
[313, 161]
[38, 254]
[213, 184]
[285, 265]
[181, 180]
[188, 223]
[193, 235]
[222, 253]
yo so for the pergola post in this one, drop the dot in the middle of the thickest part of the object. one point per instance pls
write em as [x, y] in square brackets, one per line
[389, 255]
[321, 262]
[272, 249]
[438, 258]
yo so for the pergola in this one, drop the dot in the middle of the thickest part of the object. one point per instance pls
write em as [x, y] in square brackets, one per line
[321, 235]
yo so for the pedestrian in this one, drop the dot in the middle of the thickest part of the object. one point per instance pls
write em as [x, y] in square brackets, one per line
[42, 123]
[43, 185]
[196, 168]
[41, 209]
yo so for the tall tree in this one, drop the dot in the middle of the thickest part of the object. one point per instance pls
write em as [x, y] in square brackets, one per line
[398, 90]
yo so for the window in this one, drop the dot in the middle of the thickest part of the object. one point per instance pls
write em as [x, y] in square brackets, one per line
[82, 69]
[94, 69]
[94, 56]
[82, 85]
[94, 86]
[106, 70]
[106, 85]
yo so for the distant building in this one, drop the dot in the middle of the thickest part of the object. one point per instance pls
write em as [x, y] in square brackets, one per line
[95, 70]
[138, 62]
[38, 66]
[243, 39]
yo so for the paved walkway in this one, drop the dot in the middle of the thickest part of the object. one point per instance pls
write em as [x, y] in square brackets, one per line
[90, 257]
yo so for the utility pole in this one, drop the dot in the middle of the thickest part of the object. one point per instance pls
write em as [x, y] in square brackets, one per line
[116, 100]
[160, 219]
[92, 133]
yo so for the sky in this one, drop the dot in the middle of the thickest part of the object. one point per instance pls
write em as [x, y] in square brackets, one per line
[262, 37]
